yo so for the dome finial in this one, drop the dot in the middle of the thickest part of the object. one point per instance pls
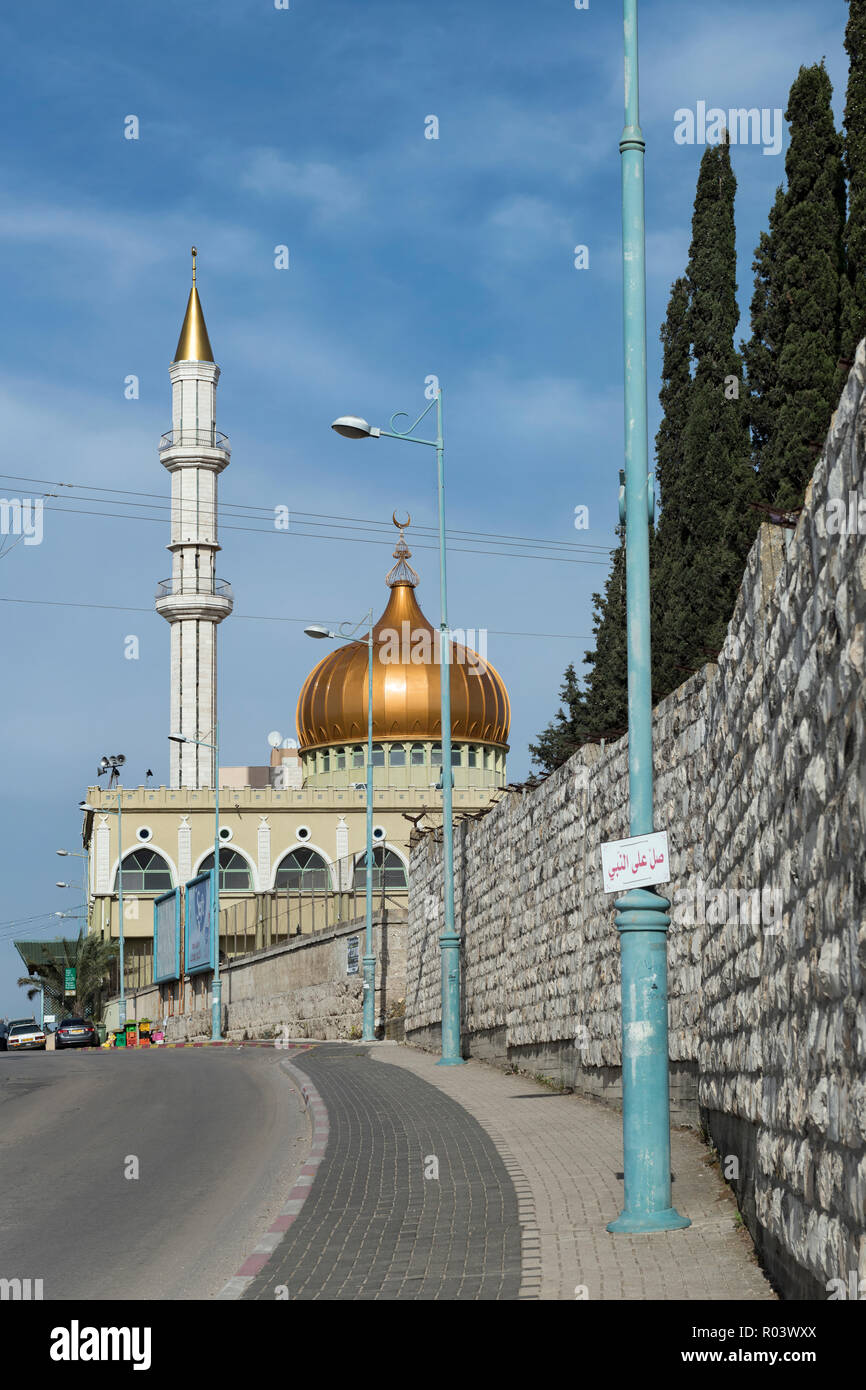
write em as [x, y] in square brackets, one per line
[401, 573]
[193, 344]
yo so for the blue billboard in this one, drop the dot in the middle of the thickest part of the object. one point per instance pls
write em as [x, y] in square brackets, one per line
[200, 938]
[166, 937]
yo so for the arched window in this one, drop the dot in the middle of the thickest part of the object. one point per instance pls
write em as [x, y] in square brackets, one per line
[436, 755]
[145, 871]
[455, 755]
[357, 756]
[234, 871]
[472, 756]
[326, 760]
[341, 759]
[378, 755]
[303, 869]
[417, 755]
[385, 862]
[397, 755]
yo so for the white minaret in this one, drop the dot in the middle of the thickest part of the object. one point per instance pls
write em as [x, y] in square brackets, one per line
[193, 600]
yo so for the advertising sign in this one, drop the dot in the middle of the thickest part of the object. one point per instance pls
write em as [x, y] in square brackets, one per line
[198, 927]
[636, 863]
[69, 979]
[353, 953]
[166, 937]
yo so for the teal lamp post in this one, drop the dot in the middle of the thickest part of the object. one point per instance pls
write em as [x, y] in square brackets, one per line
[642, 917]
[369, 1019]
[352, 427]
[112, 765]
[216, 990]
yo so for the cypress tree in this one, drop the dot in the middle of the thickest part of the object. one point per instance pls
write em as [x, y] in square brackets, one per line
[796, 334]
[768, 328]
[712, 527]
[854, 283]
[562, 736]
[603, 705]
[607, 679]
[665, 541]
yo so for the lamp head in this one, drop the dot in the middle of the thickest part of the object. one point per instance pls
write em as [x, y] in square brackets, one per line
[353, 427]
[318, 630]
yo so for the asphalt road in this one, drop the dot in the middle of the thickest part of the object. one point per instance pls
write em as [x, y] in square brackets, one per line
[218, 1135]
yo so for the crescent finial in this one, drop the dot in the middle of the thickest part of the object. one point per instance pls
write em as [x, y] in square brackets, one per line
[400, 524]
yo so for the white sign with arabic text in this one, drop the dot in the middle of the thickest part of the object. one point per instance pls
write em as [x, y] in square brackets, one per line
[635, 863]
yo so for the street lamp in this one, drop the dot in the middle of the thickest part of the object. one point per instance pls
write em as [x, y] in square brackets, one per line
[353, 427]
[216, 995]
[641, 917]
[369, 1020]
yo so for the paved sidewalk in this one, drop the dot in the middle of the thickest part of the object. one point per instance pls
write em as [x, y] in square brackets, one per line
[563, 1153]
[378, 1222]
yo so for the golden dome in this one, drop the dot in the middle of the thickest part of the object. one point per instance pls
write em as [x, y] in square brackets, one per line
[332, 707]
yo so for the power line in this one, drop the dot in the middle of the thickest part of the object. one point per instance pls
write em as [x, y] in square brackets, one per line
[248, 511]
[264, 617]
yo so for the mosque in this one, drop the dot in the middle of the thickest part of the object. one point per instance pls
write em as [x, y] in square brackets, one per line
[293, 829]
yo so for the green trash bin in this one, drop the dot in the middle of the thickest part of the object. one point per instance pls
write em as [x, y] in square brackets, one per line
[101, 1033]
[120, 1038]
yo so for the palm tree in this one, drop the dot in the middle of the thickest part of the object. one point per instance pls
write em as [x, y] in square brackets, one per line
[90, 956]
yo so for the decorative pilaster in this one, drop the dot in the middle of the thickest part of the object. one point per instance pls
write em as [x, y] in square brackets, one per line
[264, 848]
[184, 849]
[102, 837]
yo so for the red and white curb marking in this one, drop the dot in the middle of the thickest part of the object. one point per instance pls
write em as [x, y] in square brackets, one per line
[256, 1262]
[207, 1042]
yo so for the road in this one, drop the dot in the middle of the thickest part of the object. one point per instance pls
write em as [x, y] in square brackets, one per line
[218, 1135]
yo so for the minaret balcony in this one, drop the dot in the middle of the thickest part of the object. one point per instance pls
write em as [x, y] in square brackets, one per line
[193, 445]
[190, 597]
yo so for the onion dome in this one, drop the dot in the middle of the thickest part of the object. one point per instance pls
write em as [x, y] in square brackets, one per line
[332, 707]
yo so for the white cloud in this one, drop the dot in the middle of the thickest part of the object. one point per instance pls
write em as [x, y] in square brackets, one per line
[331, 193]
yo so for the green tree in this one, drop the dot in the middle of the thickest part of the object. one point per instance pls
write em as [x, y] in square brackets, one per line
[853, 326]
[91, 956]
[607, 678]
[796, 308]
[563, 735]
[665, 540]
[602, 706]
[709, 486]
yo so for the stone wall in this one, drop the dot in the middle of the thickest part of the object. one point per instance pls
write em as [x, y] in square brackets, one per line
[301, 985]
[760, 763]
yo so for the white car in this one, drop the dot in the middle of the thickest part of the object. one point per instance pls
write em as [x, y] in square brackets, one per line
[22, 1036]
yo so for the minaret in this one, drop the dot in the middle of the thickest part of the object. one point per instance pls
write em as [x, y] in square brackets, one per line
[193, 600]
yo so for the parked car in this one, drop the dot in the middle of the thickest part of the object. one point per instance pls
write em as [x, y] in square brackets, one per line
[27, 1035]
[76, 1032]
[4, 1030]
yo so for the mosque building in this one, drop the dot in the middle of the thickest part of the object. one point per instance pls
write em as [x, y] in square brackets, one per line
[293, 829]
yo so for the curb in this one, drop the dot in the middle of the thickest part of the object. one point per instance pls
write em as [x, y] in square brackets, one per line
[207, 1042]
[237, 1286]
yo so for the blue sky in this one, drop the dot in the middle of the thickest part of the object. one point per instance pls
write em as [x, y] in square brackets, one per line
[408, 257]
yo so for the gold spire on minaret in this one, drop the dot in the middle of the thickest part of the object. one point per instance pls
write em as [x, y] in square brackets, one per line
[193, 345]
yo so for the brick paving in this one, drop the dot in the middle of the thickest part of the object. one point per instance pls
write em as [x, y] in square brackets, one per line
[373, 1225]
[564, 1153]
